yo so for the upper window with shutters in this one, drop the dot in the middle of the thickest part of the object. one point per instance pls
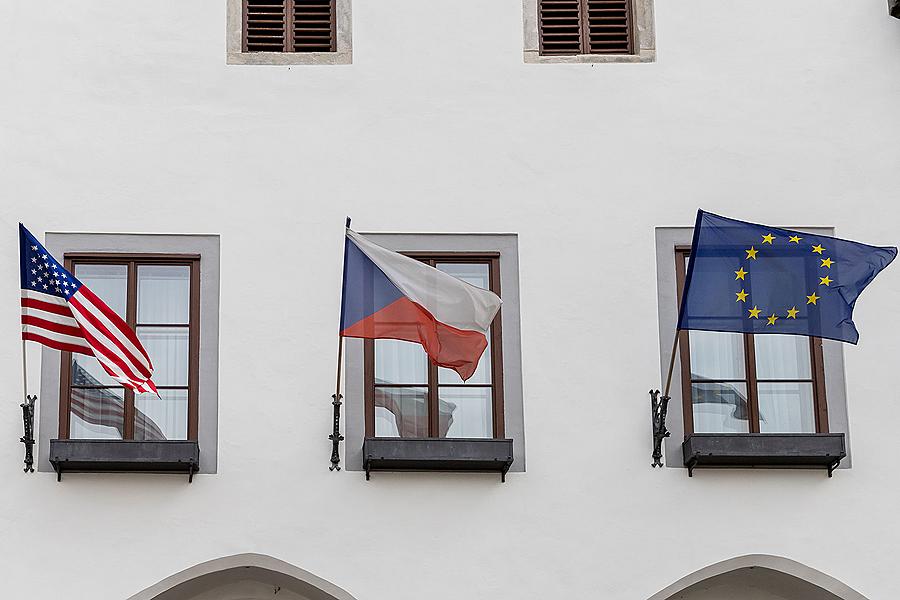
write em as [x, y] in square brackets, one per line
[289, 32]
[589, 31]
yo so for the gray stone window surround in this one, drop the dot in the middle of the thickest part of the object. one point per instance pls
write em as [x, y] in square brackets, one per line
[207, 246]
[644, 42]
[507, 245]
[667, 239]
[236, 56]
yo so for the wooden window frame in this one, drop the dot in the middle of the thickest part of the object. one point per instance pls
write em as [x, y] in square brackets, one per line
[132, 261]
[492, 259]
[817, 369]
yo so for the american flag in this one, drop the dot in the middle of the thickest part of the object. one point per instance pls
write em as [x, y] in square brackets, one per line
[60, 312]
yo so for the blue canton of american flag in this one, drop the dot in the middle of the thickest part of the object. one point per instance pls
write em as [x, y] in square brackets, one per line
[60, 312]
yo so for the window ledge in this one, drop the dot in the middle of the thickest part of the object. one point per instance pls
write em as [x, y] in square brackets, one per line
[644, 56]
[797, 450]
[341, 57]
[437, 454]
[170, 456]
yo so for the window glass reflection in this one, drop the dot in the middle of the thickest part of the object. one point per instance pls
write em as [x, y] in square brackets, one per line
[466, 412]
[720, 408]
[168, 351]
[401, 412]
[477, 274]
[716, 355]
[97, 413]
[786, 408]
[400, 362]
[163, 418]
[782, 357]
[164, 294]
[109, 282]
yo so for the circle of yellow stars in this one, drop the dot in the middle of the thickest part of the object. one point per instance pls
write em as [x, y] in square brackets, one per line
[792, 312]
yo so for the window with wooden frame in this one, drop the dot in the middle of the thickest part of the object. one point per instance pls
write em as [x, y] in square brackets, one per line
[407, 396]
[159, 298]
[573, 27]
[745, 383]
[289, 26]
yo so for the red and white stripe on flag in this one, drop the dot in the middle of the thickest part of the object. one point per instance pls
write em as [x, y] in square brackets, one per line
[84, 324]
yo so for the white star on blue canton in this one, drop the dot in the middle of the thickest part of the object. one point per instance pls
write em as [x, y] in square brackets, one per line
[33, 284]
[34, 248]
[33, 259]
[45, 286]
[44, 256]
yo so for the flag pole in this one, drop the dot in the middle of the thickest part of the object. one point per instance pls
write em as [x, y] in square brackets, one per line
[336, 437]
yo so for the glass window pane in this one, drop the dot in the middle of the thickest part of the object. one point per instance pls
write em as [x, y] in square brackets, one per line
[720, 408]
[163, 418]
[482, 373]
[477, 274]
[97, 413]
[400, 362]
[109, 282]
[401, 412]
[164, 293]
[782, 357]
[717, 355]
[168, 350]
[86, 370]
[466, 412]
[786, 408]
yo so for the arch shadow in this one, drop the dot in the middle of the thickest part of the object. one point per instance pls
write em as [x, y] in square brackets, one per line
[211, 574]
[765, 561]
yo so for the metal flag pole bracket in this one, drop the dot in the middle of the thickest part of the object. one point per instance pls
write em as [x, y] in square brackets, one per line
[28, 438]
[658, 408]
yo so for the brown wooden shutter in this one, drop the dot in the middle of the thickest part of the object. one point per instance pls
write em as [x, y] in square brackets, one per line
[569, 27]
[264, 29]
[314, 29]
[289, 26]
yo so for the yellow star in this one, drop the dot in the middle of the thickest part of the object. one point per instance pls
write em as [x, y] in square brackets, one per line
[740, 274]
[818, 249]
[768, 238]
[771, 320]
[812, 299]
[826, 262]
[754, 312]
[741, 296]
[792, 312]
[795, 239]
[825, 280]
[751, 253]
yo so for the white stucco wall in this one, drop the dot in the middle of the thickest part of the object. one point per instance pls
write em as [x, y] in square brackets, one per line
[124, 117]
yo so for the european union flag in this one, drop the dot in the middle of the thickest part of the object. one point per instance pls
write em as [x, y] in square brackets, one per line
[752, 278]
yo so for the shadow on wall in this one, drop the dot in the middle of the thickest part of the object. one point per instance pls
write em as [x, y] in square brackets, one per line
[243, 576]
[758, 577]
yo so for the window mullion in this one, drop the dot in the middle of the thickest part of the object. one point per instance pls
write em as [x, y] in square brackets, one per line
[584, 24]
[434, 421]
[288, 25]
[750, 368]
[131, 320]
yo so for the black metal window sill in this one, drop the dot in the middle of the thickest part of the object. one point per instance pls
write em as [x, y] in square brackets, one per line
[773, 450]
[128, 456]
[438, 454]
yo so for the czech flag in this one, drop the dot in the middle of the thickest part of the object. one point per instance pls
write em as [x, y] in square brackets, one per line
[390, 296]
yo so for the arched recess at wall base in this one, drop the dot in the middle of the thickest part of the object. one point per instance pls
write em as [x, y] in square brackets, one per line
[244, 576]
[758, 576]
